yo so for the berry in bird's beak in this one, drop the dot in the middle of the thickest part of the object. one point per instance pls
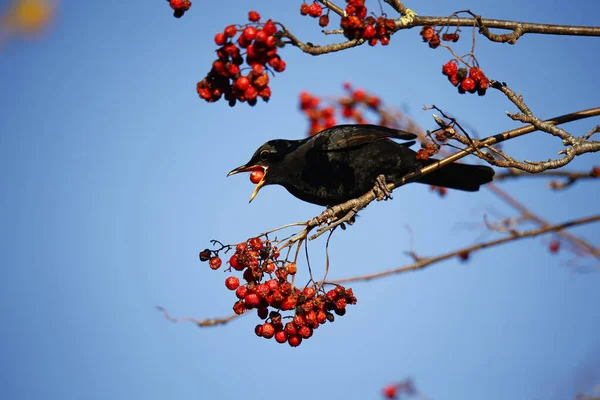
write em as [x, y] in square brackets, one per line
[257, 176]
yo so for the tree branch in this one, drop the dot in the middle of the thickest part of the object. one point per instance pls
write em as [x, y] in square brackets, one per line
[425, 262]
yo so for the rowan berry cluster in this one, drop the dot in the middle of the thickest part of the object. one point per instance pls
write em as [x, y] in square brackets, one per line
[225, 79]
[322, 117]
[472, 81]
[356, 24]
[427, 150]
[431, 36]
[268, 289]
[179, 7]
[442, 191]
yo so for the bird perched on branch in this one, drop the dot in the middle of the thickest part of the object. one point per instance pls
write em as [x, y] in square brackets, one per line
[344, 162]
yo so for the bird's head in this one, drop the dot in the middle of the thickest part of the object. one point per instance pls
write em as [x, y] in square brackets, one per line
[267, 159]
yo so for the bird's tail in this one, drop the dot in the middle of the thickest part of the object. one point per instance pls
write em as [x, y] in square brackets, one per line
[459, 176]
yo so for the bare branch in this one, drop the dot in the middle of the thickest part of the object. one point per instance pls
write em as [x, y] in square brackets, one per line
[201, 323]
[518, 26]
[425, 262]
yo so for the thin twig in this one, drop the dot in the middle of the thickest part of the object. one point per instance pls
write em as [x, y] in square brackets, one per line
[425, 262]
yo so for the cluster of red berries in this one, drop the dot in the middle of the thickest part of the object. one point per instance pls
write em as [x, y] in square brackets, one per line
[320, 118]
[442, 191]
[427, 150]
[432, 36]
[315, 10]
[179, 7]
[226, 79]
[267, 286]
[324, 117]
[357, 25]
[472, 81]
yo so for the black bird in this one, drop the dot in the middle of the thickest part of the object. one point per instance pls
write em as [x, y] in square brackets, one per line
[343, 163]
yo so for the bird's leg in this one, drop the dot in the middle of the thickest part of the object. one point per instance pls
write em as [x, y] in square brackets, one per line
[380, 189]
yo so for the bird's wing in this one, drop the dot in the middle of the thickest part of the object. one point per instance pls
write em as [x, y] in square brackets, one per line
[346, 137]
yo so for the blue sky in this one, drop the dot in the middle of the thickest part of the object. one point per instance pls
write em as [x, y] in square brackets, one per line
[113, 177]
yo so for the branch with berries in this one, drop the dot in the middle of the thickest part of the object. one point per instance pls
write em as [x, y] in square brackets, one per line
[312, 306]
[248, 53]
[360, 106]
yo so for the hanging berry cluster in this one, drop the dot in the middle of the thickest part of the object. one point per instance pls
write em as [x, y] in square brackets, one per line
[428, 149]
[431, 36]
[357, 25]
[179, 7]
[472, 81]
[225, 79]
[322, 117]
[268, 290]
[316, 11]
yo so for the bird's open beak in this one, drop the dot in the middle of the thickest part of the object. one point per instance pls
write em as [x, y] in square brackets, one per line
[246, 168]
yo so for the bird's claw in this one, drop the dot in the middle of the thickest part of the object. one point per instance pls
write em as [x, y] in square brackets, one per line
[380, 189]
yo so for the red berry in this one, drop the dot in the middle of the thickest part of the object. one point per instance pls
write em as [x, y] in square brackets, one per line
[291, 268]
[258, 69]
[254, 16]
[220, 39]
[251, 93]
[214, 262]
[255, 243]
[268, 330]
[241, 292]
[256, 176]
[258, 330]
[281, 336]
[390, 391]
[309, 292]
[464, 256]
[251, 300]
[294, 340]
[467, 84]
[280, 67]
[269, 28]
[176, 4]
[554, 246]
[315, 10]
[239, 307]
[230, 31]
[595, 172]
[242, 83]
[304, 9]
[305, 332]
[427, 33]
[450, 68]
[290, 328]
[241, 247]
[232, 283]
[359, 95]
[324, 20]
[270, 43]
[235, 264]
[249, 33]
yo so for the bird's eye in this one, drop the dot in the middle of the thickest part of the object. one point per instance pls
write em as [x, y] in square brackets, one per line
[264, 155]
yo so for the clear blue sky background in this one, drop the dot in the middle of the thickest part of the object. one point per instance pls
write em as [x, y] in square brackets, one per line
[113, 178]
